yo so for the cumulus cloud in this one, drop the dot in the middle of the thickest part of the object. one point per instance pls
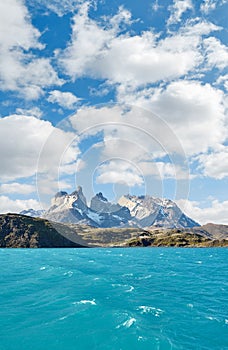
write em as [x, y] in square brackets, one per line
[64, 99]
[209, 5]
[128, 59]
[216, 53]
[16, 28]
[136, 136]
[119, 172]
[215, 212]
[21, 141]
[194, 111]
[223, 80]
[34, 112]
[19, 69]
[215, 164]
[8, 205]
[177, 9]
[16, 187]
[164, 170]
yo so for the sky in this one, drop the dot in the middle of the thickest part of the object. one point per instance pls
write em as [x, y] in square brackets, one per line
[116, 96]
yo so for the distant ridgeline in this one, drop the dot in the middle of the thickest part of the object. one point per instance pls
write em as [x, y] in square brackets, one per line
[130, 211]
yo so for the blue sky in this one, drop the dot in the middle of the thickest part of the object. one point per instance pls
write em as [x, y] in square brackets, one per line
[116, 96]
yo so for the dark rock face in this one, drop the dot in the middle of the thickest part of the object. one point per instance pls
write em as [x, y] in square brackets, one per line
[20, 231]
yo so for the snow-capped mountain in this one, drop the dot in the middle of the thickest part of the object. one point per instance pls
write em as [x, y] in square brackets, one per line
[72, 208]
[149, 211]
[33, 213]
[133, 211]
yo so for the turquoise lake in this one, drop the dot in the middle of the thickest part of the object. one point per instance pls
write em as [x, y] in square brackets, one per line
[136, 298]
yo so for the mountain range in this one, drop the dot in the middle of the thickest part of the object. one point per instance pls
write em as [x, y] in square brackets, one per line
[129, 211]
[21, 231]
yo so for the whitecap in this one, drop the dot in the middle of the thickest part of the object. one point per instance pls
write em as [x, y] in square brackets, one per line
[199, 262]
[68, 273]
[129, 322]
[43, 268]
[211, 318]
[144, 277]
[150, 309]
[130, 289]
[91, 302]
[226, 321]
[62, 318]
[190, 306]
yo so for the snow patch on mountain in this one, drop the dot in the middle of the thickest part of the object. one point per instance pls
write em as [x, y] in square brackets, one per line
[134, 211]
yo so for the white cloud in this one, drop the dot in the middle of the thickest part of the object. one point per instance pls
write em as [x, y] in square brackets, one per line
[134, 135]
[130, 59]
[216, 212]
[177, 9]
[155, 6]
[8, 205]
[208, 5]
[223, 79]
[21, 141]
[215, 165]
[198, 27]
[16, 187]
[195, 112]
[64, 99]
[216, 53]
[16, 29]
[164, 170]
[19, 69]
[32, 112]
[60, 7]
[119, 172]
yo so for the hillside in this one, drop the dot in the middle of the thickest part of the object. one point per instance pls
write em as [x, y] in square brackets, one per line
[20, 231]
[216, 231]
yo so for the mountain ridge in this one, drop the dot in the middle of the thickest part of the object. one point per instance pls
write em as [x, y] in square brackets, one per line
[129, 211]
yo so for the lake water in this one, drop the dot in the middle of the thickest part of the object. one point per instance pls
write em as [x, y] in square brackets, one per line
[136, 298]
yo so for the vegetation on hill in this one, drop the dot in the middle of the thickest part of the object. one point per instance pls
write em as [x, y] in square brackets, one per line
[20, 231]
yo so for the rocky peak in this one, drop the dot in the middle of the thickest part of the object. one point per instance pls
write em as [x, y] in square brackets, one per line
[79, 194]
[139, 211]
[100, 204]
[148, 211]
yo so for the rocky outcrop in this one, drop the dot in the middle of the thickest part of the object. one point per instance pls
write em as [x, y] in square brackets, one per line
[20, 231]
